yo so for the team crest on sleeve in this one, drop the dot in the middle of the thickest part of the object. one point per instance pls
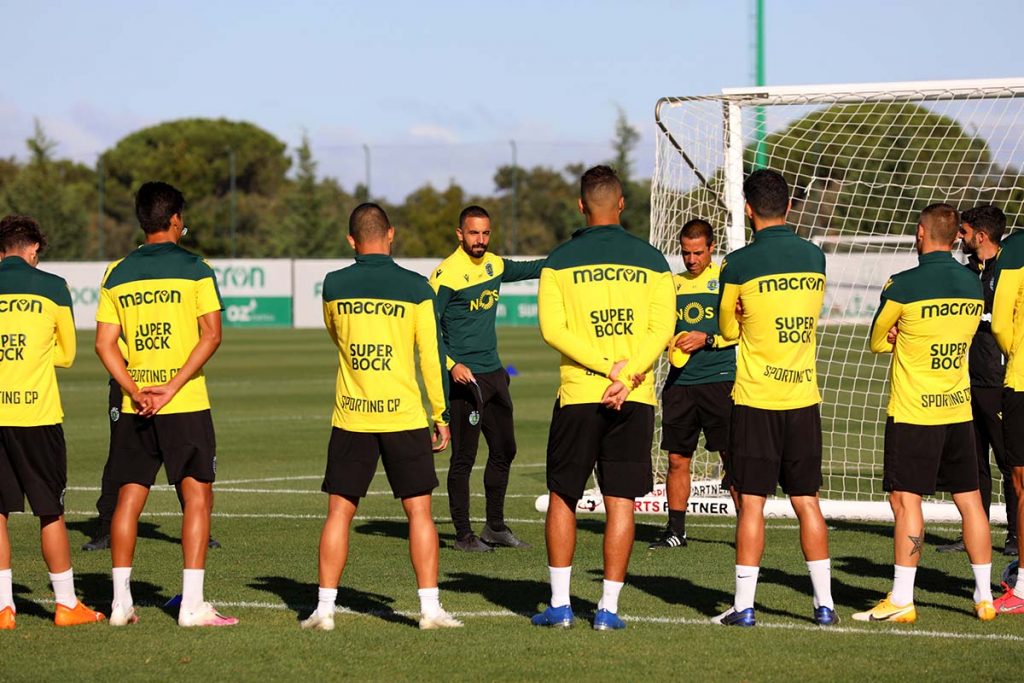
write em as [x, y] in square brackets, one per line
[437, 273]
[115, 413]
[490, 269]
[712, 285]
[888, 283]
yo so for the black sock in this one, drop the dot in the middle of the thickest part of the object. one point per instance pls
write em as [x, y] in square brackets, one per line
[677, 522]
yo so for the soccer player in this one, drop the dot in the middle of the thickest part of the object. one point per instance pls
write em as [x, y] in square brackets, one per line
[606, 303]
[37, 335]
[382, 318]
[468, 284]
[697, 393]
[771, 295]
[981, 230]
[109, 486]
[932, 311]
[163, 302]
[1008, 328]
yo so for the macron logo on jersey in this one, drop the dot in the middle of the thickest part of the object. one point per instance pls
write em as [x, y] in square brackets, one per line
[21, 306]
[385, 308]
[786, 284]
[938, 310]
[608, 274]
[156, 296]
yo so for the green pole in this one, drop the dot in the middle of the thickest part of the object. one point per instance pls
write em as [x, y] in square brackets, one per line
[234, 206]
[99, 211]
[760, 153]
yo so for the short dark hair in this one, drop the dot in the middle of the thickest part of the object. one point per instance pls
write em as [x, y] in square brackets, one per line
[472, 211]
[767, 192]
[18, 232]
[988, 219]
[600, 187]
[698, 227]
[155, 203]
[941, 222]
[368, 223]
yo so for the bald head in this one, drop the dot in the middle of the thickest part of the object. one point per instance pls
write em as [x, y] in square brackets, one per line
[940, 223]
[600, 192]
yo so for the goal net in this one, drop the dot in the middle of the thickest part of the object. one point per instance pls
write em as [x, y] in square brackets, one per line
[862, 161]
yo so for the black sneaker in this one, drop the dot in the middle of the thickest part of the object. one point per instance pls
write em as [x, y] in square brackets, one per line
[956, 546]
[213, 544]
[472, 544]
[1010, 547]
[669, 539]
[101, 542]
[503, 538]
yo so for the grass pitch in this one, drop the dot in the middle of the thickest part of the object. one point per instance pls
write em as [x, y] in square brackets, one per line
[272, 393]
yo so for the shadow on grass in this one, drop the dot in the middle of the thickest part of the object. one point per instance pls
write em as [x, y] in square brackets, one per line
[24, 604]
[91, 528]
[97, 591]
[400, 530]
[884, 529]
[297, 595]
[519, 596]
[926, 579]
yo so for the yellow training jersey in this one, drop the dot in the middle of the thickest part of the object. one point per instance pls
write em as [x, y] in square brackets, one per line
[1008, 308]
[37, 334]
[779, 280]
[606, 296]
[382, 317]
[936, 307]
[156, 295]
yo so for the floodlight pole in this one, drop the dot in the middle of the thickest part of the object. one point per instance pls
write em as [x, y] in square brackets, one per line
[515, 197]
[99, 208]
[366, 160]
[760, 153]
[233, 202]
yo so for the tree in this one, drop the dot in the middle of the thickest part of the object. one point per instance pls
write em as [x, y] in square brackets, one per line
[195, 156]
[637, 214]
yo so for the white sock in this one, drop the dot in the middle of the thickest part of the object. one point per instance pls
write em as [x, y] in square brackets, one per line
[746, 586]
[430, 601]
[1018, 588]
[982, 581]
[610, 599]
[64, 588]
[326, 597]
[560, 577]
[903, 585]
[6, 589]
[192, 588]
[821, 582]
[122, 586]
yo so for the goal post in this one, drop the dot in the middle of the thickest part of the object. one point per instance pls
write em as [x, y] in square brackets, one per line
[862, 160]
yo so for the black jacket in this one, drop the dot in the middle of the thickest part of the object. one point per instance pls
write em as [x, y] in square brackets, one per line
[985, 362]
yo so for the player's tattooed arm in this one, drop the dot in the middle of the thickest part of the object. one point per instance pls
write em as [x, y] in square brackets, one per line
[916, 540]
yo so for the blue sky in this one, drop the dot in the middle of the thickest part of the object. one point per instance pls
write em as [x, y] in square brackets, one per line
[437, 89]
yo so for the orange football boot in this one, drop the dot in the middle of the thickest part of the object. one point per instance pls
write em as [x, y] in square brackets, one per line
[80, 614]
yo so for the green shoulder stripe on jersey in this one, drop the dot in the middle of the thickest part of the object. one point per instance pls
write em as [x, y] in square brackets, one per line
[376, 279]
[603, 244]
[164, 261]
[1011, 252]
[18, 277]
[920, 283]
[774, 250]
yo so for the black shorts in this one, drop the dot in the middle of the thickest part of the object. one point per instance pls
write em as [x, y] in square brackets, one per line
[686, 410]
[33, 463]
[922, 459]
[1013, 427]
[352, 462]
[618, 442]
[769, 448]
[184, 443]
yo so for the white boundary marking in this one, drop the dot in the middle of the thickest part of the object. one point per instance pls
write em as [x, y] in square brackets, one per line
[643, 619]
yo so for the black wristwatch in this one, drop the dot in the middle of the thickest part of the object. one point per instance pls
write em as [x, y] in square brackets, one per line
[709, 341]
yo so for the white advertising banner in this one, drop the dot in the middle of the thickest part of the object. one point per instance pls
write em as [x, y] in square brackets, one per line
[256, 292]
[83, 279]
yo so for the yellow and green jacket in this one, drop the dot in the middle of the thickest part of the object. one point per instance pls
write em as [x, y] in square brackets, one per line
[779, 278]
[381, 317]
[606, 296]
[937, 307]
[468, 290]
[1008, 308]
[156, 295]
[37, 334]
[697, 311]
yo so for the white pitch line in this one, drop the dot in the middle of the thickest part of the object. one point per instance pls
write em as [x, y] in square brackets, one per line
[832, 631]
[219, 490]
